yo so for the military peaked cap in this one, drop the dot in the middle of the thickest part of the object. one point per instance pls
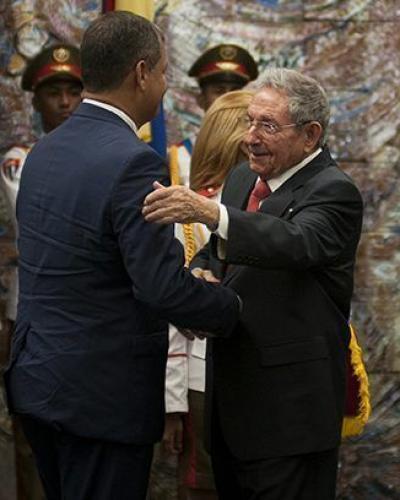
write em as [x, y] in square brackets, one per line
[57, 61]
[225, 62]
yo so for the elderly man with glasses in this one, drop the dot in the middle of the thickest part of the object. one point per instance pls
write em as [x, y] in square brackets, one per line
[285, 238]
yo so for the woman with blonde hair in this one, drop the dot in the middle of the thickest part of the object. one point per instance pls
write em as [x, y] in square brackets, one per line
[218, 149]
[219, 144]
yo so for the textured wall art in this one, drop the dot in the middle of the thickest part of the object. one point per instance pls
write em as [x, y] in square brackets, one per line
[353, 48]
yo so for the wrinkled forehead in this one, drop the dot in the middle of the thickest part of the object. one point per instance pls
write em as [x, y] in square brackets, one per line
[270, 102]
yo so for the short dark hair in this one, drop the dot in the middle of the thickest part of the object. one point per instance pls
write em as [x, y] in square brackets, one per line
[113, 44]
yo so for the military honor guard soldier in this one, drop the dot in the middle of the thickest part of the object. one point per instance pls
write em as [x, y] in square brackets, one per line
[218, 70]
[54, 78]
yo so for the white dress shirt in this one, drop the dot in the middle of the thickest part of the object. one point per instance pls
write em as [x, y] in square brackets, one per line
[127, 119]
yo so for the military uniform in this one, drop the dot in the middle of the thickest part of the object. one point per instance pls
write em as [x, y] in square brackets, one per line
[58, 62]
[10, 174]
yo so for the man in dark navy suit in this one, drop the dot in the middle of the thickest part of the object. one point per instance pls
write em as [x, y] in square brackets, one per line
[98, 284]
[286, 238]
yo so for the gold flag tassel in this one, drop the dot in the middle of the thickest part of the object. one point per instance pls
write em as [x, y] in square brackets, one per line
[188, 229]
[354, 424]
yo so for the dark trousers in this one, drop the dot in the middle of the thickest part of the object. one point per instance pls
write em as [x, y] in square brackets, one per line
[74, 468]
[301, 477]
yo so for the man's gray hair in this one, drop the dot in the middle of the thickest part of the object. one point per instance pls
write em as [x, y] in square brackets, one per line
[307, 99]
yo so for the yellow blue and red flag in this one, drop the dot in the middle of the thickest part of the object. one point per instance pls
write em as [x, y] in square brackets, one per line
[154, 133]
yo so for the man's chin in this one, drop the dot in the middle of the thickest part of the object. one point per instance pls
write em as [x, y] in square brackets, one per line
[258, 167]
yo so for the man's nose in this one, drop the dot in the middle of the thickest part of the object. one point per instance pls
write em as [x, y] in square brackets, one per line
[65, 99]
[251, 135]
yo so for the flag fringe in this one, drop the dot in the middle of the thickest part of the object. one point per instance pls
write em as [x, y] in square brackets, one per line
[354, 425]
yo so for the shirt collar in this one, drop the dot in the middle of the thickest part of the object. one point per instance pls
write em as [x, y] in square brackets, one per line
[127, 119]
[277, 182]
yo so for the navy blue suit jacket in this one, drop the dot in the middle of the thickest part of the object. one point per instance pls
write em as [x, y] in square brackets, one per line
[98, 285]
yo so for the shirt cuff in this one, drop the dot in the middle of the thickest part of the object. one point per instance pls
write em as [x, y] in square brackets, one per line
[223, 223]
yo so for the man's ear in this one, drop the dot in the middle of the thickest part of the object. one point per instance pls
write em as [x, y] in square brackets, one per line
[313, 132]
[141, 74]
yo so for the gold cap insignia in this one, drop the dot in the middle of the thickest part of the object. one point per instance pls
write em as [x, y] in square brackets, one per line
[61, 55]
[228, 52]
[227, 66]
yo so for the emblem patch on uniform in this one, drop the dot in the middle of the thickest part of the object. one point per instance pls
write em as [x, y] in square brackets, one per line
[10, 167]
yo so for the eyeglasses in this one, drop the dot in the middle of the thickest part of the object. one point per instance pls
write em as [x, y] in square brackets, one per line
[269, 128]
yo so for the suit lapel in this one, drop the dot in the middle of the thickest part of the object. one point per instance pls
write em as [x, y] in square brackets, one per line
[280, 200]
[239, 191]
[322, 161]
[277, 203]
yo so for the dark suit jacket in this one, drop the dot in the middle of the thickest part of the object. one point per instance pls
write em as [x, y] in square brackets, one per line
[278, 381]
[98, 285]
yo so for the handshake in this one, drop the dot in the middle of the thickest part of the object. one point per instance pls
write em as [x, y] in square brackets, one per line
[206, 275]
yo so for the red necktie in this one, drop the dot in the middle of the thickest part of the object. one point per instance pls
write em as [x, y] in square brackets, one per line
[260, 191]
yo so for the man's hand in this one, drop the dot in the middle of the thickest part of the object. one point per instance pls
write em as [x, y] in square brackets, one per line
[173, 432]
[166, 205]
[188, 334]
[192, 334]
[205, 274]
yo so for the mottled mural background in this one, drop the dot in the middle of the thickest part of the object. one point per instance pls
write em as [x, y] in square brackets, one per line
[353, 48]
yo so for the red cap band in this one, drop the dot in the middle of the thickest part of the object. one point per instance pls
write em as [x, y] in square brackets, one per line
[224, 67]
[53, 69]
